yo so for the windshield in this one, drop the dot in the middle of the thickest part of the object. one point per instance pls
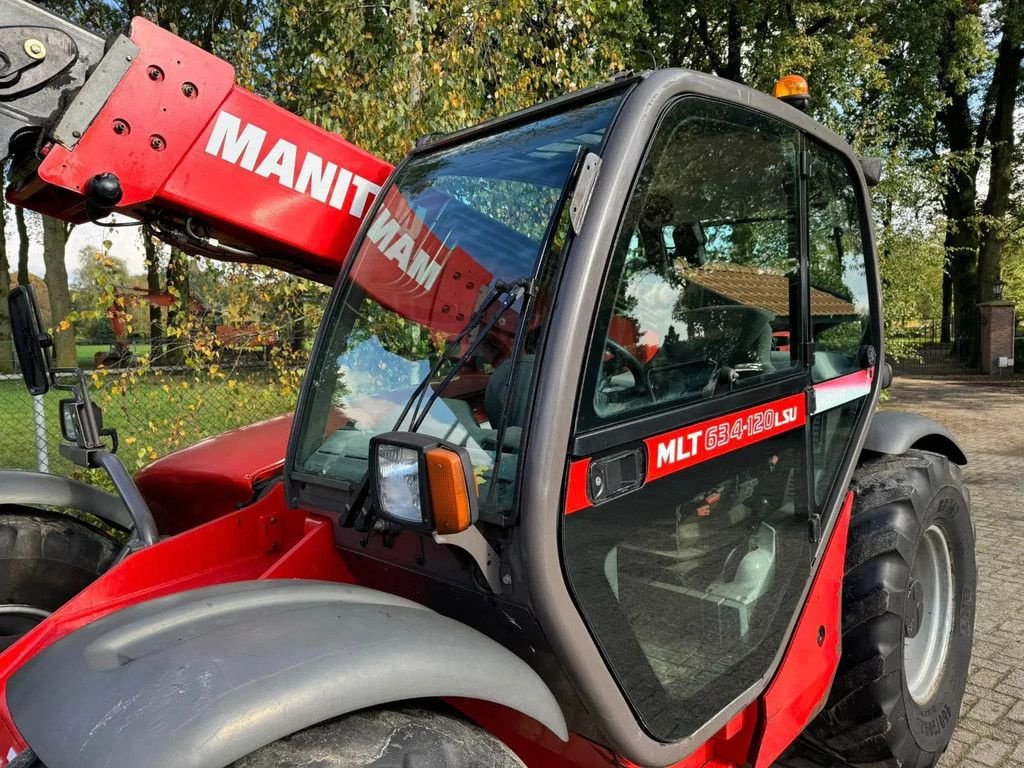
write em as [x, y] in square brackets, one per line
[455, 228]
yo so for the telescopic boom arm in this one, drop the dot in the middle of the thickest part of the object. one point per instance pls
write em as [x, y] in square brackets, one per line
[150, 126]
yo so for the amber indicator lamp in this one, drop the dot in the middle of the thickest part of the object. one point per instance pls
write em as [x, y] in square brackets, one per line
[793, 90]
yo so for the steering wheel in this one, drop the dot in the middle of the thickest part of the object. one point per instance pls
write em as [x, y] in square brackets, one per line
[633, 365]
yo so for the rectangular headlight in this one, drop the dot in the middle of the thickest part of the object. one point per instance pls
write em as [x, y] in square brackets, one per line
[398, 483]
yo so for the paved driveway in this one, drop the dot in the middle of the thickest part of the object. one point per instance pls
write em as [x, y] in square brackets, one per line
[989, 422]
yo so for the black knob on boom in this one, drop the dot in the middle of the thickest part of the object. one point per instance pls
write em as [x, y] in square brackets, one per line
[102, 193]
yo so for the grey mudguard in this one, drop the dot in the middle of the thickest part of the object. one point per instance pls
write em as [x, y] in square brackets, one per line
[894, 433]
[44, 490]
[201, 678]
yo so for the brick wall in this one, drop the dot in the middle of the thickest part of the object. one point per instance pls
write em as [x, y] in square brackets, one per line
[997, 327]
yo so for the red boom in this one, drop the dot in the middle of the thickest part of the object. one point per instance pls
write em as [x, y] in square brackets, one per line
[186, 143]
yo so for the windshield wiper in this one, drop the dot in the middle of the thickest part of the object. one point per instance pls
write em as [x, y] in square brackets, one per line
[501, 293]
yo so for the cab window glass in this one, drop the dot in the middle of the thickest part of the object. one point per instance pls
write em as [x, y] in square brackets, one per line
[839, 283]
[704, 277]
[840, 312]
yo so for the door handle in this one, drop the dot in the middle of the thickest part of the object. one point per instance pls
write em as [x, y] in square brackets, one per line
[615, 475]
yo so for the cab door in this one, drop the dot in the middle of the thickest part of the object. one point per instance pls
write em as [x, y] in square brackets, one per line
[685, 539]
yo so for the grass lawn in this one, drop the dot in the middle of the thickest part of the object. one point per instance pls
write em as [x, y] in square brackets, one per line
[156, 415]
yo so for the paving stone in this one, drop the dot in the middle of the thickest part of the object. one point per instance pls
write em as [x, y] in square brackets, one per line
[989, 752]
[1017, 712]
[989, 711]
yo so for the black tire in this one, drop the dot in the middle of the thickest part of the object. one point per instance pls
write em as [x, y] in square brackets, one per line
[399, 737]
[26, 759]
[45, 559]
[871, 716]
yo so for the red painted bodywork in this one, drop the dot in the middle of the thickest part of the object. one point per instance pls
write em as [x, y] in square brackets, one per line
[267, 540]
[215, 476]
[287, 228]
[801, 685]
[263, 540]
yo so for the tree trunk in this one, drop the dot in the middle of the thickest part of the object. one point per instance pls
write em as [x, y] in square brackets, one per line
[734, 45]
[177, 315]
[961, 260]
[55, 238]
[960, 198]
[6, 346]
[1006, 82]
[947, 308]
[19, 220]
[156, 318]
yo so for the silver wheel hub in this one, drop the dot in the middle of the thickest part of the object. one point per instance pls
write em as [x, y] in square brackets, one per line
[928, 615]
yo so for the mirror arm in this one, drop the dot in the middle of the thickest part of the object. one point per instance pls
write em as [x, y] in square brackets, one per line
[145, 525]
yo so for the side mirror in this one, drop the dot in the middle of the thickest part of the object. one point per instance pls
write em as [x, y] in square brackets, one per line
[31, 344]
[423, 483]
[871, 167]
[80, 421]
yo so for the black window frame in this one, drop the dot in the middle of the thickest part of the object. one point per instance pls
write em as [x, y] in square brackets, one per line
[621, 435]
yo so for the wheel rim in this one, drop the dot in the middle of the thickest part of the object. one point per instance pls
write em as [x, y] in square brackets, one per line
[928, 615]
[16, 620]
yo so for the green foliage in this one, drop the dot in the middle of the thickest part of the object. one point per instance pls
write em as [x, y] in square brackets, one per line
[382, 74]
[883, 75]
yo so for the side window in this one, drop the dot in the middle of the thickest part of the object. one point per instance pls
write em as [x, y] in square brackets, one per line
[840, 311]
[839, 282]
[704, 274]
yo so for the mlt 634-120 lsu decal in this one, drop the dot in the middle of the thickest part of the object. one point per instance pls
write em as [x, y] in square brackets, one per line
[672, 451]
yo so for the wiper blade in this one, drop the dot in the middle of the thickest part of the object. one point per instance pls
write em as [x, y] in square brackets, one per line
[502, 293]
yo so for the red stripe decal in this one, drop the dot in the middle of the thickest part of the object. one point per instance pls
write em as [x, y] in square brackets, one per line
[673, 451]
[843, 389]
[576, 497]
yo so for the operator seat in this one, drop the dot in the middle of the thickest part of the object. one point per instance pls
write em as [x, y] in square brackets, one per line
[496, 392]
[705, 339]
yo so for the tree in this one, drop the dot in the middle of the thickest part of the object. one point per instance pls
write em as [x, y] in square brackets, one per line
[55, 239]
[956, 80]
[178, 315]
[382, 74]
[6, 345]
[1005, 93]
[94, 285]
[156, 325]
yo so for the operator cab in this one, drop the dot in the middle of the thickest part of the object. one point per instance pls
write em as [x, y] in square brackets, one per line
[628, 338]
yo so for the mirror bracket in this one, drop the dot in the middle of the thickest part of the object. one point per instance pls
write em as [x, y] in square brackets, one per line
[473, 542]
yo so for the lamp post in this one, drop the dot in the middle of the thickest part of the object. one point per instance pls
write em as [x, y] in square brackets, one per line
[997, 288]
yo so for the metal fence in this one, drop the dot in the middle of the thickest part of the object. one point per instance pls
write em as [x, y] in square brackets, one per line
[155, 410]
[918, 350]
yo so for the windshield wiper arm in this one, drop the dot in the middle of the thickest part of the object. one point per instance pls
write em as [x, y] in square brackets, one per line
[510, 292]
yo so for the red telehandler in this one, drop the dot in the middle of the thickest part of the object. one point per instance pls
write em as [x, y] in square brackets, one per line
[551, 495]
